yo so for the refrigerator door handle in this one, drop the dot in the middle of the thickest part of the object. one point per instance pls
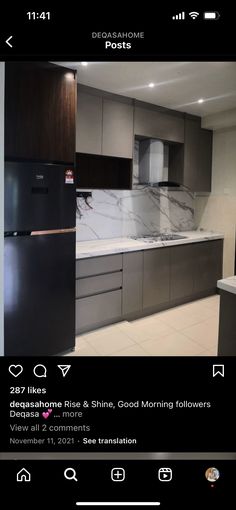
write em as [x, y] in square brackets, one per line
[57, 231]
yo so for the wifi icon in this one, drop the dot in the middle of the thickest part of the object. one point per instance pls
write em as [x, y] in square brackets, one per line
[193, 14]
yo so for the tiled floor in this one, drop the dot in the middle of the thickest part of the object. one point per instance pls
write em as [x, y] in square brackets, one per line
[187, 330]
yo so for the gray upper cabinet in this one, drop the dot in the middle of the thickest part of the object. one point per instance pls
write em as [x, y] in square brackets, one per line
[152, 123]
[191, 163]
[205, 161]
[191, 152]
[156, 277]
[117, 132]
[89, 123]
[197, 156]
[104, 125]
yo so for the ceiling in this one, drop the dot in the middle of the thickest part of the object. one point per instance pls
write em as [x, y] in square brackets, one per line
[177, 85]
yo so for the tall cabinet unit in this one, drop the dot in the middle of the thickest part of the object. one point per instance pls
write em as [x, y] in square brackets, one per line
[40, 103]
[40, 209]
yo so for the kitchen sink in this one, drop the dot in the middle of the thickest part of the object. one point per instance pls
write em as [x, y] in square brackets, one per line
[159, 237]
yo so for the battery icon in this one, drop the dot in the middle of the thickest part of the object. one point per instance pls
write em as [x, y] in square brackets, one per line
[211, 15]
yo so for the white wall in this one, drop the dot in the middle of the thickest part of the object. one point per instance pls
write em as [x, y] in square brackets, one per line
[2, 65]
[218, 210]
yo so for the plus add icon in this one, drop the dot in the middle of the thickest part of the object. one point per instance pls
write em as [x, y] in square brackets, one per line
[118, 474]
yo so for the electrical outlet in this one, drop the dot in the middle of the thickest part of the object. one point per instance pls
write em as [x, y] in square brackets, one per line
[84, 194]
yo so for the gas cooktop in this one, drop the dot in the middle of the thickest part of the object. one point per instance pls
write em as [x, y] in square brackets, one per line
[159, 237]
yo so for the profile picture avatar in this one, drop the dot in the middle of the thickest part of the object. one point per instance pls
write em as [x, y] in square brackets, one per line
[212, 474]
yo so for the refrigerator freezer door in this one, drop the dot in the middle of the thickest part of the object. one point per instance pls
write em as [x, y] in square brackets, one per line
[39, 294]
[39, 197]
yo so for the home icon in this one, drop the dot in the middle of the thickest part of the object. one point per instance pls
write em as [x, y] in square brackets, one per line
[23, 476]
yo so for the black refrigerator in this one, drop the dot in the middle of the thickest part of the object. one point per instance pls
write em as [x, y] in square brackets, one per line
[39, 259]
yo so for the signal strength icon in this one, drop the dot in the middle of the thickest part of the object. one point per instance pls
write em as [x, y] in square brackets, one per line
[179, 16]
[193, 14]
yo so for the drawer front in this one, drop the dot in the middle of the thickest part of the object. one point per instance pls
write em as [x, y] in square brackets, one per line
[95, 284]
[95, 310]
[98, 265]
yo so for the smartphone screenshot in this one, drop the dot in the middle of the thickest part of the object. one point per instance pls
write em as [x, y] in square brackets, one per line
[118, 258]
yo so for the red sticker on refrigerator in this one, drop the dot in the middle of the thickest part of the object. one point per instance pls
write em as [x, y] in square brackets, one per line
[69, 177]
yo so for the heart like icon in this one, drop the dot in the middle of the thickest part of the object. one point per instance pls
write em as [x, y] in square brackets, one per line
[46, 414]
[15, 370]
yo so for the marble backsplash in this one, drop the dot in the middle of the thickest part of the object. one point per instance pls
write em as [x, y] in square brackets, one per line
[123, 213]
[140, 211]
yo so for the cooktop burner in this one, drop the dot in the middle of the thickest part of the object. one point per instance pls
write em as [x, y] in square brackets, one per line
[159, 237]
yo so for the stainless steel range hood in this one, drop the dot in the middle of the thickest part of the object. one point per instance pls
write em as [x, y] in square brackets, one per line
[153, 164]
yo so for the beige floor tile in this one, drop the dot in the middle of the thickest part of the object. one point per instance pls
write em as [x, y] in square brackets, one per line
[183, 320]
[189, 329]
[84, 350]
[134, 350]
[204, 353]
[213, 352]
[80, 342]
[175, 344]
[204, 333]
[109, 343]
[102, 331]
[200, 310]
[140, 332]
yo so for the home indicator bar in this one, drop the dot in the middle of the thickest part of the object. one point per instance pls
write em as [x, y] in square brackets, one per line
[116, 503]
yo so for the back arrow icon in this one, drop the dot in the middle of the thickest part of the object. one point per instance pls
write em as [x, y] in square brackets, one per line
[7, 41]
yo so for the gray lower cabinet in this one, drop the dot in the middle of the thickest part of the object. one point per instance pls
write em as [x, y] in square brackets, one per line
[156, 277]
[97, 284]
[98, 291]
[132, 296]
[97, 310]
[208, 265]
[181, 271]
[98, 265]
[113, 287]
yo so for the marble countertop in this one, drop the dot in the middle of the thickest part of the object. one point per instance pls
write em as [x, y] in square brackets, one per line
[228, 284]
[99, 247]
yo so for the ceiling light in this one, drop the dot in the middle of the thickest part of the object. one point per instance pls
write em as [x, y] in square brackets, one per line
[84, 63]
[200, 101]
[151, 85]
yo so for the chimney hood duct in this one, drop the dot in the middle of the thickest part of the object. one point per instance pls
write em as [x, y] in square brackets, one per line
[153, 163]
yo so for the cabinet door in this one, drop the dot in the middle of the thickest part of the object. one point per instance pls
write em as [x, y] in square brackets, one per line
[191, 153]
[89, 123]
[204, 161]
[94, 311]
[117, 132]
[181, 271]
[208, 265]
[154, 124]
[156, 277]
[40, 105]
[132, 282]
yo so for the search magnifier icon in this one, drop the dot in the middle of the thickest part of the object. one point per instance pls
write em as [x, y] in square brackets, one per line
[70, 474]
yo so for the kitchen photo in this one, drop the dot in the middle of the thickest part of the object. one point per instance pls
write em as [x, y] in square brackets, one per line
[119, 208]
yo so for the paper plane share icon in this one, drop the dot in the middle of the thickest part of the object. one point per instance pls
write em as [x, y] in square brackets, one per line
[64, 369]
